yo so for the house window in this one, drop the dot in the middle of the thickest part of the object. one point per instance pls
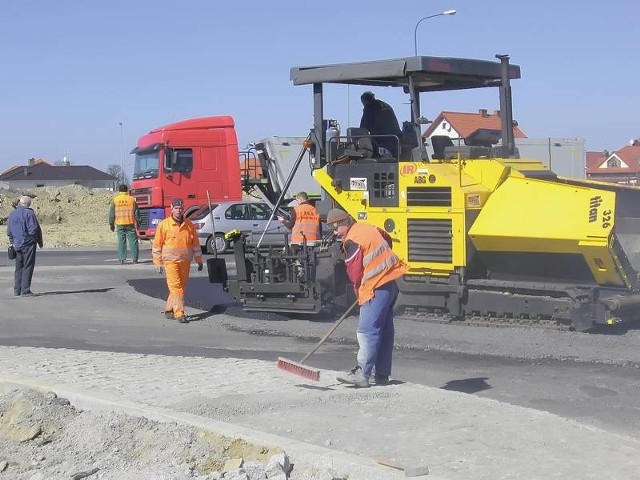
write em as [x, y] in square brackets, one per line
[614, 162]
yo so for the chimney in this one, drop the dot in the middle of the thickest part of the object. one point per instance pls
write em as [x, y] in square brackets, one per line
[483, 112]
[31, 162]
[496, 113]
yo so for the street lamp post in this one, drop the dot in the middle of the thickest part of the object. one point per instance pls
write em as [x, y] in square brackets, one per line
[415, 31]
[121, 152]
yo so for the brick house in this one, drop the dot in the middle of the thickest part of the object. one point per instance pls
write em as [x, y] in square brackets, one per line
[621, 166]
[478, 128]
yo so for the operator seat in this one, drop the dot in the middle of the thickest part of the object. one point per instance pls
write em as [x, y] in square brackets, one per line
[359, 146]
[439, 143]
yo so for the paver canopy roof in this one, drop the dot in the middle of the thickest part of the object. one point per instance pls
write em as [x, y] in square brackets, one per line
[427, 73]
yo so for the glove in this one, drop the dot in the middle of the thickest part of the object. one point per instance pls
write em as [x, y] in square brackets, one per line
[199, 267]
[113, 229]
[159, 269]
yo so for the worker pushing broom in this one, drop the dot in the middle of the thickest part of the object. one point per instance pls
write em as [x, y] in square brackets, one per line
[373, 268]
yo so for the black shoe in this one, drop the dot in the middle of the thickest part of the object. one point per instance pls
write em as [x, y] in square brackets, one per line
[28, 294]
[382, 380]
[168, 315]
[183, 319]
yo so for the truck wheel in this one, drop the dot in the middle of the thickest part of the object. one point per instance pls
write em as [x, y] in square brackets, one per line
[221, 245]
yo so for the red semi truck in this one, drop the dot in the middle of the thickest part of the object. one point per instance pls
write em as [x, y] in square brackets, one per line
[185, 160]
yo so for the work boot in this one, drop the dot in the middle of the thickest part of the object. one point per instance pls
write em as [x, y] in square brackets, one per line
[168, 315]
[355, 377]
[382, 380]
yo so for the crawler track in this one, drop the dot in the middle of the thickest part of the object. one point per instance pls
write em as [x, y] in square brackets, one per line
[423, 315]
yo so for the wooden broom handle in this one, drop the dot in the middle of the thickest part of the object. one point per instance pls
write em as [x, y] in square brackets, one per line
[336, 324]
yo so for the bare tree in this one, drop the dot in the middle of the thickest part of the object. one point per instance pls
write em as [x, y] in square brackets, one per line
[117, 172]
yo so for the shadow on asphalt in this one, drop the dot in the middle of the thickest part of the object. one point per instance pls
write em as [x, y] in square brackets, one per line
[467, 385]
[66, 292]
[216, 310]
[213, 300]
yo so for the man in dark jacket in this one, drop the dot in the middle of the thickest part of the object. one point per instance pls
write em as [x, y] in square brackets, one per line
[24, 234]
[379, 118]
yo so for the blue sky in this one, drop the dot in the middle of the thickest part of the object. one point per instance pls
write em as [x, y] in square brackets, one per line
[73, 70]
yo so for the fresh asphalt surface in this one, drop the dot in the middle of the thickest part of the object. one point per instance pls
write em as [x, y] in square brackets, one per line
[597, 393]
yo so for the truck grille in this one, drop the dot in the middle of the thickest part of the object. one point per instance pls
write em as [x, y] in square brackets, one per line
[142, 196]
[144, 220]
[430, 241]
[143, 200]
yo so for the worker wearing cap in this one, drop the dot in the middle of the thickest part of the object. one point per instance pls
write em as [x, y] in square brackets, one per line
[124, 215]
[304, 222]
[373, 268]
[174, 246]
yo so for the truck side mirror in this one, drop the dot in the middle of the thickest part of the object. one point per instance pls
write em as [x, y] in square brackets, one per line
[170, 159]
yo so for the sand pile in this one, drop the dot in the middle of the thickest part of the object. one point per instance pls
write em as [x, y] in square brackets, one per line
[70, 216]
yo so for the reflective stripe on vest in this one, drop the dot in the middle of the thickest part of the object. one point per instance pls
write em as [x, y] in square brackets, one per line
[380, 264]
[124, 205]
[307, 226]
[175, 242]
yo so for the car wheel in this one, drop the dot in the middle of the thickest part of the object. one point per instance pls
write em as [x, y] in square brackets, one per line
[221, 245]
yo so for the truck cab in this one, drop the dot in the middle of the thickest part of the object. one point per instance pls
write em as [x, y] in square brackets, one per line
[195, 160]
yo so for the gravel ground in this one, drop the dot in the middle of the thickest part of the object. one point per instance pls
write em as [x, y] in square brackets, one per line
[43, 437]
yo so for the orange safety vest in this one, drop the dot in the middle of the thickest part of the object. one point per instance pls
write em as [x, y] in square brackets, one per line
[175, 242]
[380, 264]
[124, 205]
[307, 224]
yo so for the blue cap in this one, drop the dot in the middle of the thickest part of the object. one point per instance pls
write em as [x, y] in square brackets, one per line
[177, 202]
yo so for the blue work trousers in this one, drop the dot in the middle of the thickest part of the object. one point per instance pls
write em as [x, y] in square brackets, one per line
[25, 263]
[376, 331]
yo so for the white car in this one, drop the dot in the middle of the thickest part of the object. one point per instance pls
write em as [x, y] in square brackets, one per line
[251, 218]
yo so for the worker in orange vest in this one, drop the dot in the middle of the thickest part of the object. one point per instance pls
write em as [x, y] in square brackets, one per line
[125, 215]
[175, 244]
[373, 268]
[304, 222]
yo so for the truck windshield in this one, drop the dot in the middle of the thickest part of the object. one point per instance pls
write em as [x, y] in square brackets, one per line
[146, 165]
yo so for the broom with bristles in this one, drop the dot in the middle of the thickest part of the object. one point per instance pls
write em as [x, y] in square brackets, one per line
[297, 368]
